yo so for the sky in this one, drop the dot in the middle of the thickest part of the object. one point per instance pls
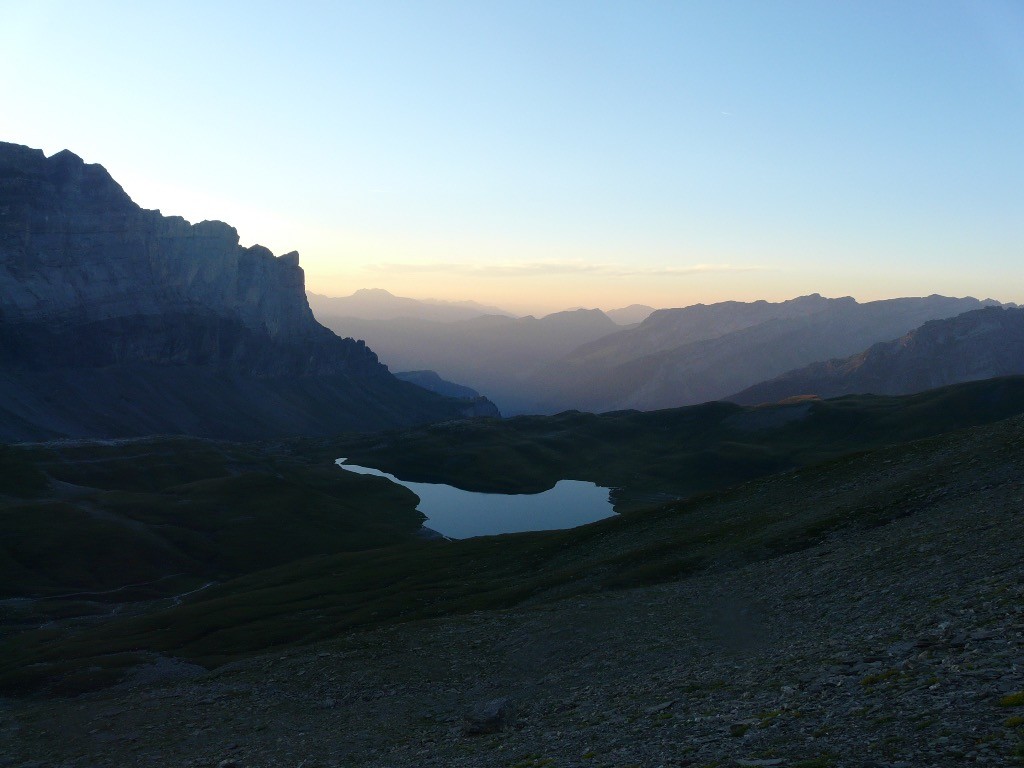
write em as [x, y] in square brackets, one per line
[545, 155]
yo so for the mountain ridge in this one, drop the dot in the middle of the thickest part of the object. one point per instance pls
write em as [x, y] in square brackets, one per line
[379, 304]
[99, 296]
[631, 315]
[622, 371]
[981, 344]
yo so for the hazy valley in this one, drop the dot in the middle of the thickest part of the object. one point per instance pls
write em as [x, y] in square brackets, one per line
[581, 360]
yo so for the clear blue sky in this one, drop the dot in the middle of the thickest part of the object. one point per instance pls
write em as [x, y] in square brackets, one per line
[541, 155]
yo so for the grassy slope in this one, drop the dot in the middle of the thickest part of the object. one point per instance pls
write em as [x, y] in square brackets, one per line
[320, 597]
[678, 451]
[132, 512]
[305, 598]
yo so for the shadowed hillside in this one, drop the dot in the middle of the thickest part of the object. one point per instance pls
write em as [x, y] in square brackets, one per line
[975, 345]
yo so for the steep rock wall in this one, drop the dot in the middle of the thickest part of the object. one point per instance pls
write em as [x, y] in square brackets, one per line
[76, 254]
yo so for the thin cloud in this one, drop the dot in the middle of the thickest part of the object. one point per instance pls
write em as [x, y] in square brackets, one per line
[549, 268]
[698, 269]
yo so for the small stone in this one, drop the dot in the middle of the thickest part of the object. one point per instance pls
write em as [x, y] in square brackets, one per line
[660, 707]
[488, 717]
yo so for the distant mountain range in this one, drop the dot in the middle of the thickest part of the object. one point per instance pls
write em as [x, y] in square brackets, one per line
[583, 360]
[117, 321]
[378, 304]
[982, 344]
[493, 354]
[696, 354]
[479, 346]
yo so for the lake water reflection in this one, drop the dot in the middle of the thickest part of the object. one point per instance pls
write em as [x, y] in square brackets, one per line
[460, 514]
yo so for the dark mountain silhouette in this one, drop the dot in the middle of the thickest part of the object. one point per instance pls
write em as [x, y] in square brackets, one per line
[378, 304]
[976, 345]
[430, 380]
[118, 321]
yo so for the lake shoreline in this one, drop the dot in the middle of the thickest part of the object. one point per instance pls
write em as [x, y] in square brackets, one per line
[455, 513]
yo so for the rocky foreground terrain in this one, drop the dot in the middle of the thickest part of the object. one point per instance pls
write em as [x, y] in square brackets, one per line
[893, 636]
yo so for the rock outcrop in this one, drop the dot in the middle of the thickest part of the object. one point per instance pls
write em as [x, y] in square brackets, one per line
[98, 295]
[76, 247]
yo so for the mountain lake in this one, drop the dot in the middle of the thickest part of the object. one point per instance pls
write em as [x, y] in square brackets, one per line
[459, 514]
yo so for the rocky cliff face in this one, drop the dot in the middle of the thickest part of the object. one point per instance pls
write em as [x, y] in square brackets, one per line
[75, 252]
[976, 345]
[73, 246]
[89, 281]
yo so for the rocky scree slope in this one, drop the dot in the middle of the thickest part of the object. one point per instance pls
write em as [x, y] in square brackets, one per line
[982, 344]
[118, 321]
